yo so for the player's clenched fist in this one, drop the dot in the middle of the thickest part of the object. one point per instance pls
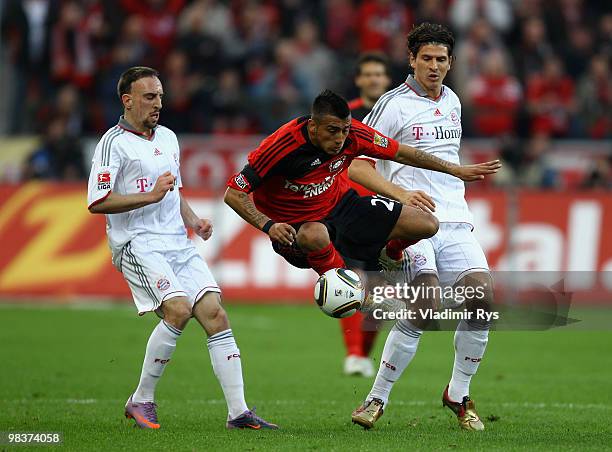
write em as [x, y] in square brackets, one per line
[282, 233]
[164, 183]
[203, 228]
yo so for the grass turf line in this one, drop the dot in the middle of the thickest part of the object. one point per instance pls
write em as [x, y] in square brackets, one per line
[71, 370]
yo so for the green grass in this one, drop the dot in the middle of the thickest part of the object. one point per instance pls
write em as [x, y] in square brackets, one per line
[70, 370]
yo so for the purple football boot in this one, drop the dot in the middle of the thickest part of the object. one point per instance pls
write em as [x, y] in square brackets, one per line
[145, 413]
[250, 420]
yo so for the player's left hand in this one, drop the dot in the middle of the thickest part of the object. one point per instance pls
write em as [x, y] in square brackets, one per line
[203, 228]
[471, 173]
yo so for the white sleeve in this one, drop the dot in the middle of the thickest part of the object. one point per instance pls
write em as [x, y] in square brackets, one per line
[384, 119]
[179, 179]
[104, 168]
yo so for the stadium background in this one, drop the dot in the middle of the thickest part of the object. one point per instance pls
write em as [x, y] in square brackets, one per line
[534, 80]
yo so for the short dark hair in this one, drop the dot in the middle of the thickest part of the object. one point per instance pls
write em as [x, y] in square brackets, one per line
[428, 33]
[372, 57]
[330, 103]
[124, 86]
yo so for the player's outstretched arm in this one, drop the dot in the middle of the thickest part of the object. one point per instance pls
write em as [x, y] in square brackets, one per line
[117, 203]
[364, 174]
[241, 203]
[421, 159]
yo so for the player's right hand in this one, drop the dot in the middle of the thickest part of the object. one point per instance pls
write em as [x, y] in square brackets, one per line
[282, 233]
[164, 183]
[418, 199]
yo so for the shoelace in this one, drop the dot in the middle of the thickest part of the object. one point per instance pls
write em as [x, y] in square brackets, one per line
[149, 411]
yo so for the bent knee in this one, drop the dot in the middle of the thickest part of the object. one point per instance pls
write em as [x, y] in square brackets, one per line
[312, 236]
[177, 311]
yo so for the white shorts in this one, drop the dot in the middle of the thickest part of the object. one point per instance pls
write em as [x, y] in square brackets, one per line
[451, 254]
[159, 268]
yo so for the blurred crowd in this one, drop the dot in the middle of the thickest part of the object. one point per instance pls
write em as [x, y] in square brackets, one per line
[525, 69]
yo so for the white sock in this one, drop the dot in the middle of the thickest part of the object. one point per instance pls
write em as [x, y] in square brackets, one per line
[470, 344]
[400, 347]
[162, 343]
[225, 358]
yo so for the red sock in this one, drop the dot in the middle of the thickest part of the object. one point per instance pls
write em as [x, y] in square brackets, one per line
[353, 336]
[325, 259]
[368, 341]
[396, 247]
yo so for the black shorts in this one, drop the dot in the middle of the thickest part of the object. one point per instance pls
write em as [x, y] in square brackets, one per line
[359, 227]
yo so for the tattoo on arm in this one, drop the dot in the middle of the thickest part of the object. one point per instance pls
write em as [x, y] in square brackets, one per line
[253, 216]
[421, 159]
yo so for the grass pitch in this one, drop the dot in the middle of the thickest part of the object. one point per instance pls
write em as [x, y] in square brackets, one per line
[71, 370]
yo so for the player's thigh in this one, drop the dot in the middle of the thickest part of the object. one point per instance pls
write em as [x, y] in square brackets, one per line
[150, 277]
[458, 253]
[414, 224]
[363, 225]
[193, 273]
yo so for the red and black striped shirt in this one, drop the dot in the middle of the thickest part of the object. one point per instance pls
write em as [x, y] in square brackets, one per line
[293, 181]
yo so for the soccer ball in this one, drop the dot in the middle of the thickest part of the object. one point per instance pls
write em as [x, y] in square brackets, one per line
[339, 292]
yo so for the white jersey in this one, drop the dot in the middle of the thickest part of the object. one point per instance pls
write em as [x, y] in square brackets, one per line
[434, 126]
[127, 162]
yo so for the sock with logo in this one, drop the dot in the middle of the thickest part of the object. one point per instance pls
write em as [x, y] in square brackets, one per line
[325, 259]
[470, 344]
[160, 347]
[225, 359]
[400, 347]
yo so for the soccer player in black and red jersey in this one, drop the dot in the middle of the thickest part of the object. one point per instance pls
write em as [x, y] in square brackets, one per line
[302, 198]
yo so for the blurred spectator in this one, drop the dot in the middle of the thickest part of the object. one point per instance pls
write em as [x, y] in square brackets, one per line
[550, 100]
[69, 108]
[398, 59]
[280, 91]
[532, 50]
[314, 60]
[578, 51]
[494, 96]
[565, 16]
[72, 53]
[600, 174]
[526, 164]
[594, 94]
[604, 37]
[159, 24]
[206, 29]
[433, 11]
[180, 89]
[228, 106]
[25, 31]
[498, 13]
[378, 21]
[60, 157]
[340, 26]
[471, 52]
[257, 24]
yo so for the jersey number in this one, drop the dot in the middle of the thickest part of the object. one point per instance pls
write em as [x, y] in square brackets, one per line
[388, 203]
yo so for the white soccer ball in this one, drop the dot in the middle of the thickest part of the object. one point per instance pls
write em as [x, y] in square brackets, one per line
[339, 292]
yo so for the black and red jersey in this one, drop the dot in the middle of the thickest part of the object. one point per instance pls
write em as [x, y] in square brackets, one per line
[358, 109]
[294, 181]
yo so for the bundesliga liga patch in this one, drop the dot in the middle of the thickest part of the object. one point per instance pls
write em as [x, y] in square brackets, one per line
[104, 180]
[380, 141]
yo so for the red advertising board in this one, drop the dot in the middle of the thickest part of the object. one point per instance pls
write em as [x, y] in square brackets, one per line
[53, 247]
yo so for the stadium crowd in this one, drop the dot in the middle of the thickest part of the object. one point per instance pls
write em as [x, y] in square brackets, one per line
[525, 69]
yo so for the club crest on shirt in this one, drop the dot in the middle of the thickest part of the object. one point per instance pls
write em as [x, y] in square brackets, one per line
[381, 141]
[104, 180]
[419, 259]
[454, 117]
[337, 164]
[163, 284]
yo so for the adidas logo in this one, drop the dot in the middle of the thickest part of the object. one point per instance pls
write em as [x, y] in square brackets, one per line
[437, 112]
[316, 162]
[157, 152]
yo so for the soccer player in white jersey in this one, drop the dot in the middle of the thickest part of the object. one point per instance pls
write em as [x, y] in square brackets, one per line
[133, 178]
[424, 113]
